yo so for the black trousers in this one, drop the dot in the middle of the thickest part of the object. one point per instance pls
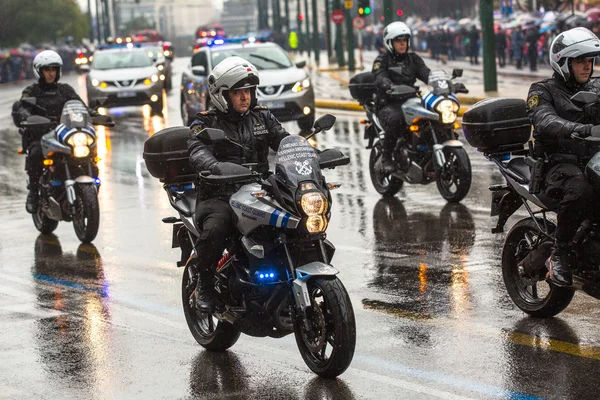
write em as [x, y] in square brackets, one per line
[568, 183]
[501, 57]
[392, 121]
[33, 163]
[215, 220]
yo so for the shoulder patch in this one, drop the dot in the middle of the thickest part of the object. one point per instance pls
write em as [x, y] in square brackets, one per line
[533, 101]
[260, 108]
[376, 66]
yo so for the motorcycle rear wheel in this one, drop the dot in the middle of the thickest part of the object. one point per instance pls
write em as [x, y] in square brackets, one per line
[533, 295]
[454, 180]
[86, 220]
[41, 221]
[328, 348]
[208, 331]
[385, 185]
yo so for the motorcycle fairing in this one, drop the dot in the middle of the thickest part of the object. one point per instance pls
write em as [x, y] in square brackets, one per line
[50, 144]
[413, 109]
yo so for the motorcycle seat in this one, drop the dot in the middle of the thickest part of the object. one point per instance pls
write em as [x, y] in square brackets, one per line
[518, 166]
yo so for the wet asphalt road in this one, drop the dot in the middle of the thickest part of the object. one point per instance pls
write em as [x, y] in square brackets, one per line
[433, 319]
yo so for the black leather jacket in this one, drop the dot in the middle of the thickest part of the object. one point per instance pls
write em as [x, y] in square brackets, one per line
[51, 97]
[257, 130]
[413, 68]
[555, 117]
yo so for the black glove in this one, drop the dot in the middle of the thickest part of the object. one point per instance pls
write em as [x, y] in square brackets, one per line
[583, 131]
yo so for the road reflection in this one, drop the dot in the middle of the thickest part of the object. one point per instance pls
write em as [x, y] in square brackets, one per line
[223, 375]
[421, 259]
[73, 345]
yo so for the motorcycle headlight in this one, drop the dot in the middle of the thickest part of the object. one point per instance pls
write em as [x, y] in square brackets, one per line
[300, 86]
[313, 203]
[80, 142]
[316, 224]
[448, 109]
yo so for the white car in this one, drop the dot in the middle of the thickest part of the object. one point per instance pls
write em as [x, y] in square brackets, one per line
[126, 77]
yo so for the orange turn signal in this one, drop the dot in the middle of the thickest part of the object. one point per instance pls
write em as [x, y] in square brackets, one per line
[457, 125]
[20, 151]
[414, 128]
[48, 162]
[364, 121]
[97, 159]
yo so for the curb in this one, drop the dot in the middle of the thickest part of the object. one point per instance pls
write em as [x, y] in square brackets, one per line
[347, 105]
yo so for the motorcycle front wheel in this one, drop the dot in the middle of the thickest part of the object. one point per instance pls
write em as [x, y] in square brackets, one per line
[86, 220]
[531, 293]
[454, 179]
[208, 331]
[385, 185]
[327, 348]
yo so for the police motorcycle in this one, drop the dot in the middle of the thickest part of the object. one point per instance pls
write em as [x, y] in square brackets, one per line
[433, 147]
[500, 128]
[69, 183]
[276, 276]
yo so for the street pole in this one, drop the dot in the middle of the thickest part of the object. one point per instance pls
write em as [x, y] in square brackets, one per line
[339, 40]
[388, 12]
[307, 36]
[328, 30]
[350, 38]
[89, 4]
[300, 40]
[276, 17]
[98, 22]
[486, 15]
[287, 18]
[316, 36]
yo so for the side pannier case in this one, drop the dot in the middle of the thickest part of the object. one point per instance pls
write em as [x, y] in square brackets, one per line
[362, 86]
[167, 157]
[496, 125]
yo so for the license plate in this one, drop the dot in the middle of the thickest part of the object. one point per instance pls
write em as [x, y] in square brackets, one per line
[274, 104]
[126, 94]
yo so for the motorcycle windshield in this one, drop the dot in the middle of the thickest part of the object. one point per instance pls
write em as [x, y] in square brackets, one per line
[75, 115]
[297, 161]
[440, 82]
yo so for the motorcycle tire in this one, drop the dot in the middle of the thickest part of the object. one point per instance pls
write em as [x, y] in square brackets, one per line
[385, 185]
[86, 220]
[209, 332]
[42, 223]
[525, 291]
[327, 349]
[456, 173]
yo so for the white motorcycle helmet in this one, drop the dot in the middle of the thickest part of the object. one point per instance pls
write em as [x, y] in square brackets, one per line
[393, 31]
[231, 73]
[574, 43]
[47, 58]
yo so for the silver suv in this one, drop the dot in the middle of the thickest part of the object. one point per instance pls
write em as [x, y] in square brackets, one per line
[285, 88]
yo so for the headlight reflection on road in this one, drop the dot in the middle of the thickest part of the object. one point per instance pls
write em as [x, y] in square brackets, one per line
[422, 278]
[461, 293]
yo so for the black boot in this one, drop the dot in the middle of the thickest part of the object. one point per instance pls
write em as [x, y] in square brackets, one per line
[387, 163]
[205, 292]
[31, 204]
[559, 271]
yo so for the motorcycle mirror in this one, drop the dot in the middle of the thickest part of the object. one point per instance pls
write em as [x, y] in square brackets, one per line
[103, 120]
[301, 64]
[585, 97]
[211, 135]
[457, 73]
[35, 120]
[324, 123]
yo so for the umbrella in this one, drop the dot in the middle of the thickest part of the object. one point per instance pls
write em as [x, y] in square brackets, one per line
[544, 29]
[593, 14]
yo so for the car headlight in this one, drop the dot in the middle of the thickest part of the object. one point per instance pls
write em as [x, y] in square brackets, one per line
[80, 142]
[161, 67]
[448, 109]
[300, 86]
[95, 82]
[154, 78]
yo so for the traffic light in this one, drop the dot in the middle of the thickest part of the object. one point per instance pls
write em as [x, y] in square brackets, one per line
[364, 7]
[399, 12]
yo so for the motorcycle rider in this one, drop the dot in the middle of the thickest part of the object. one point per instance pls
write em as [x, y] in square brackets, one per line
[555, 118]
[396, 37]
[51, 95]
[232, 86]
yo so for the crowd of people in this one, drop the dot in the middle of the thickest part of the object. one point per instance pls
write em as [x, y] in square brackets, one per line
[16, 64]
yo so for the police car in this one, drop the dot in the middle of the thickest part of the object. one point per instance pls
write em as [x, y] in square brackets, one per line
[285, 88]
